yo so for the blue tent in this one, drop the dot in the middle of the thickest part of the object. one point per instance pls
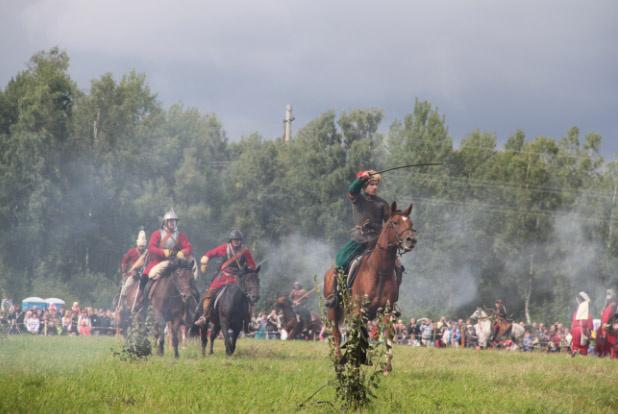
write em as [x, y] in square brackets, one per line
[34, 302]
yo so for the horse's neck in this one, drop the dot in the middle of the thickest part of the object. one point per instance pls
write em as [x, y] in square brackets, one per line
[383, 256]
[163, 287]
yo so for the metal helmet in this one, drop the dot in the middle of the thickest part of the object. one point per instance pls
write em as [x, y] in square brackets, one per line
[610, 294]
[170, 215]
[141, 239]
[235, 235]
[297, 285]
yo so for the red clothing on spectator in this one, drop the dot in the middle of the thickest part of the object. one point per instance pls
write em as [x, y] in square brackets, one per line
[129, 258]
[606, 338]
[156, 249]
[228, 274]
[579, 327]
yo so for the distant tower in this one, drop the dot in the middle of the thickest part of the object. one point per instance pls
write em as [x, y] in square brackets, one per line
[287, 124]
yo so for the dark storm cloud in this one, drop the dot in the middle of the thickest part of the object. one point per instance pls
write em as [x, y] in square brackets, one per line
[497, 66]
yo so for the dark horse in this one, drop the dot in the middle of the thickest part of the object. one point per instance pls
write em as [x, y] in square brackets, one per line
[171, 298]
[232, 311]
[294, 325]
[375, 282]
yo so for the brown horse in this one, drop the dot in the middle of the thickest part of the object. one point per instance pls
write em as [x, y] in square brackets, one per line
[171, 298]
[231, 311]
[376, 283]
[293, 323]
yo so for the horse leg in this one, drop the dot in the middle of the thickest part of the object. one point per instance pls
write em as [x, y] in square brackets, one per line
[332, 315]
[213, 334]
[159, 325]
[175, 329]
[233, 338]
[389, 334]
[226, 330]
[204, 338]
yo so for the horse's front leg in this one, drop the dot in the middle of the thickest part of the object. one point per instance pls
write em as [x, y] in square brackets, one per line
[389, 334]
[333, 316]
[204, 338]
[213, 334]
[175, 329]
[159, 328]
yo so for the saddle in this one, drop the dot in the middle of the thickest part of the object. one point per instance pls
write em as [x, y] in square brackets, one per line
[217, 295]
[353, 268]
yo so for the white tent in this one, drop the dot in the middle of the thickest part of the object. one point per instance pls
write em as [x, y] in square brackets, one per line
[34, 299]
[54, 301]
[33, 302]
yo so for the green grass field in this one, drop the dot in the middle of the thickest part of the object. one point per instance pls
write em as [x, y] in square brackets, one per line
[80, 374]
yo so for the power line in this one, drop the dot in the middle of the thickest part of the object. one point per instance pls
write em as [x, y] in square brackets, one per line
[501, 209]
[429, 177]
[497, 149]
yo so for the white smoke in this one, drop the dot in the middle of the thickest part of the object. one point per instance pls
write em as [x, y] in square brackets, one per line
[295, 258]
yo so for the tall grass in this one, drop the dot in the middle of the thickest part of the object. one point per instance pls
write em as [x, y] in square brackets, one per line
[80, 374]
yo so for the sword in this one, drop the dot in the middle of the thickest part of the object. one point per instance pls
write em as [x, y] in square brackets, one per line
[407, 166]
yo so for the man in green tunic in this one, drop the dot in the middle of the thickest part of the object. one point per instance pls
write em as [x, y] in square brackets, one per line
[369, 213]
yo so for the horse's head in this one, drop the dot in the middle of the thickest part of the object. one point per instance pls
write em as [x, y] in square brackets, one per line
[251, 285]
[400, 229]
[182, 276]
[479, 313]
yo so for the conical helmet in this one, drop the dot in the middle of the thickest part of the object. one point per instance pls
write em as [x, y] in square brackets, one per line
[170, 215]
[141, 239]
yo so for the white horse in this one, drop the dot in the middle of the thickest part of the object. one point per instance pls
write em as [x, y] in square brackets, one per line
[483, 327]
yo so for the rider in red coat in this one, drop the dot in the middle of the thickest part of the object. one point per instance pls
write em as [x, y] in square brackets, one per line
[134, 253]
[238, 260]
[128, 260]
[606, 337]
[164, 244]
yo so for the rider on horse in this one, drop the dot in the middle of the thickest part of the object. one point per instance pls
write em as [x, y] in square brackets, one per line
[238, 260]
[369, 213]
[126, 264]
[164, 244]
[134, 253]
[299, 297]
[500, 314]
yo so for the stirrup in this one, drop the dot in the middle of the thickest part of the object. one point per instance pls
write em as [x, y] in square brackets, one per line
[201, 321]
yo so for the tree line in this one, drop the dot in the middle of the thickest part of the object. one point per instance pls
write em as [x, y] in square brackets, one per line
[533, 222]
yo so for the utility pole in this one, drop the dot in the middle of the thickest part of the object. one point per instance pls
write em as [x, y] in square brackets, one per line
[287, 124]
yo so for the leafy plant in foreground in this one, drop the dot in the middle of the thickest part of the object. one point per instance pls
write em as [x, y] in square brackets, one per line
[137, 345]
[359, 370]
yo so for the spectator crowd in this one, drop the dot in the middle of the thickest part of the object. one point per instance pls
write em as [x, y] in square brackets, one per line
[422, 332]
[57, 321]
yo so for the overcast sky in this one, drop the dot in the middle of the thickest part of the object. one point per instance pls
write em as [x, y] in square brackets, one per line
[541, 66]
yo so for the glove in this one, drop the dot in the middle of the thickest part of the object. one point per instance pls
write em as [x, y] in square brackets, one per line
[203, 264]
[167, 252]
[180, 255]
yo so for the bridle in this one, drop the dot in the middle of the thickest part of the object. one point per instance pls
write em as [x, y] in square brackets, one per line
[402, 236]
[251, 297]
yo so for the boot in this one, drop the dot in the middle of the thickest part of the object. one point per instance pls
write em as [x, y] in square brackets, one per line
[331, 299]
[203, 320]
